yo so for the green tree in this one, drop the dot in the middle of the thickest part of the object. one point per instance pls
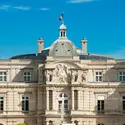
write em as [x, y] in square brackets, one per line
[21, 124]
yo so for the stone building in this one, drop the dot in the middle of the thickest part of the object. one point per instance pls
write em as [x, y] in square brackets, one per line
[89, 87]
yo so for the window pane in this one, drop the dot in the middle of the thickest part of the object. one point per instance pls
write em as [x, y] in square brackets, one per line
[1, 98]
[1, 78]
[27, 105]
[24, 78]
[100, 78]
[5, 78]
[1, 103]
[23, 97]
[120, 78]
[97, 78]
[123, 97]
[27, 97]
[28, 78]
[123, 78]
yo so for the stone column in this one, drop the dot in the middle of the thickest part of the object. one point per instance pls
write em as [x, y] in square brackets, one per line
[47, 99]
[72, 99]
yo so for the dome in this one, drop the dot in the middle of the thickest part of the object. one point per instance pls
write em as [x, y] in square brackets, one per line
[63, 27]
[62, 47]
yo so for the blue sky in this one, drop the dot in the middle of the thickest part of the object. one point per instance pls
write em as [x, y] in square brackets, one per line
[101, 22]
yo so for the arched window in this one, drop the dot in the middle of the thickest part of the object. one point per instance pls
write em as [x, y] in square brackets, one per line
[63, 99]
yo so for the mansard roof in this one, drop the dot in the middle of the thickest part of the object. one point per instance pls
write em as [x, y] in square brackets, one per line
[42, 56]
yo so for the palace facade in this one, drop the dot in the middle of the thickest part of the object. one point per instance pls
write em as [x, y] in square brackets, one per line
[90, 88]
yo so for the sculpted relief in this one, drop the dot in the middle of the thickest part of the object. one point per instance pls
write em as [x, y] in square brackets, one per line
[79, 76]
[63, 74]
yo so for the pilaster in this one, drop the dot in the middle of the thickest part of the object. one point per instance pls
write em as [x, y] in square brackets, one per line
[47, 99]
[79, 100]
[72, 98]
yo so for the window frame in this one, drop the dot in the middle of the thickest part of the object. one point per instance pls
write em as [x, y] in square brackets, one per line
[27, 78]
[122, 75]
[98, 76]
[1, 100]
[66, 102]
[3, 76]
[123, 103]
[100, 98]
[24, 101]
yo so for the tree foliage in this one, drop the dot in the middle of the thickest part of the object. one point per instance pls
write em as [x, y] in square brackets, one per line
[21, 124]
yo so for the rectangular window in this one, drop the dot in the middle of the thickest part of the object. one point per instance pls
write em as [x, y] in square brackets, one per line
[50, 99]
[25, 103]
[27, 76]
[1, 103]
[60, 105]
[123, 103]
[3, 76]
[75, 99]
[98, 76]
[100, 104]
[122, 76]
[66, 105]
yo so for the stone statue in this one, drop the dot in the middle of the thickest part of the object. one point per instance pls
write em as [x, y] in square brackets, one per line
[49, 75]
[60, 74]
[74, 76]
[81, 76]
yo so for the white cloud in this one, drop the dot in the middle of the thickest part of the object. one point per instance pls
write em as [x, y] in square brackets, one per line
[22, 8]
[44, 9]
[4, 7]
[79, 1]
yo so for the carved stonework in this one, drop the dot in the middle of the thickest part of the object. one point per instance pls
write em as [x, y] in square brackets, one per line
[49, 75]
[74, 76]
[79, 76]
[61, 74]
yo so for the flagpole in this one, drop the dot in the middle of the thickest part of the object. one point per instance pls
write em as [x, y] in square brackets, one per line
[62, 17]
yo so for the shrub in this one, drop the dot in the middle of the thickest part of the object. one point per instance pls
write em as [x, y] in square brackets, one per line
[21, 124]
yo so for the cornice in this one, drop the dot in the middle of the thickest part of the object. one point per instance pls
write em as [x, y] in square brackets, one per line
[59, 85]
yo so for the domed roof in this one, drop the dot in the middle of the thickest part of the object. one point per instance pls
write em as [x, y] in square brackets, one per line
[62, 47]
[63, 27]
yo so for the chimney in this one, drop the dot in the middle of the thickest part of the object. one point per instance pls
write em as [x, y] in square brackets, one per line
[40, 45]
[84, 45]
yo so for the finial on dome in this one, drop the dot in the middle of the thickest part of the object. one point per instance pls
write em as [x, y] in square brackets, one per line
[62, 27]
